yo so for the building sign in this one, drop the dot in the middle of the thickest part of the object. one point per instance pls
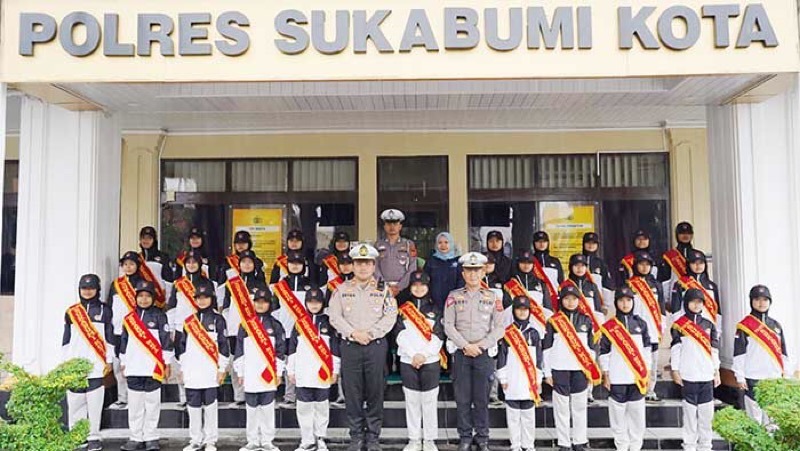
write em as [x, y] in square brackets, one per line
[93, 40]
[565, 223]
[265, 227]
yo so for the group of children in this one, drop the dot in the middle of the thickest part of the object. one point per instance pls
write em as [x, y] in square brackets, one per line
[266, 335]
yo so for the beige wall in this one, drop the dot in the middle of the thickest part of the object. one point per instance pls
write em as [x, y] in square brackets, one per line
[12, 147]
[140, 164]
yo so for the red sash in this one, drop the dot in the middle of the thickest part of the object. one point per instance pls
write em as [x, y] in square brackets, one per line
[709, 303]
[623, 341]
[514, 288]
[416, 318]
[334, 283]
[516, 342]
[763, 335]
[125, 291]
[136, 329]
[233, 261]
[256, 331]
[147, 274]
[563, 326]
[640, 286]
[585, 308]
[599, 288]
[332, 263]
[690, 329]
[80, 318]
[676, 261]
[627, 263]
[283, 263]
[201, 337]
[485, 285]
[186, 288]
[538, 271]
[305, 327]
[241, 298]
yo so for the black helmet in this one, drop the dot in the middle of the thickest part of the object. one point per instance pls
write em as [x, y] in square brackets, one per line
[419, 277]
[243, 236]
[148, 231]
[132, 256]
[642, 256]
[577, 259]
[541, 236]
[144, 285]
[295, 257]
[760, 291]
[315, 294]
[344, 257]
[684, 227]
[205, 289]
[341, 236]
[591, 237]
[567, 290]
[196, 231]
[295, 234]
[247, 254]
[89, 281]
[495, 234]
[521, 302]
[692, 294]
[525, 257]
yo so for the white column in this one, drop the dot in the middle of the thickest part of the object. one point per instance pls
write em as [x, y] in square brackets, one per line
[754, 153]
[3, 132]
[68, 220]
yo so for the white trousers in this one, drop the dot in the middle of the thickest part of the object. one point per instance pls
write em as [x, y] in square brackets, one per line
[627, 424]
[521, 427]
[573, 406]
[261, 424]
[313, 419]
[144, 409]
[697, 426]
[87, 405]
[203, 425]
[122, 382]
[238, 389]
[651, 384]
[422, 419]
[754, 411]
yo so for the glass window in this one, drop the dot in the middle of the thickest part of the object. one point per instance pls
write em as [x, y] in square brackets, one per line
[193, 176]
[259, 176]
[324, 175]
[418, 186]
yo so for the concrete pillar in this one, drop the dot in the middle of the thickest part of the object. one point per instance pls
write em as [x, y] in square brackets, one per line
[68, 220]
[754, 151]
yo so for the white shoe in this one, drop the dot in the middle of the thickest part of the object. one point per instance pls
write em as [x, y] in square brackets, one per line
[413, 445]
[269, 447]
[429, 445]
[250, 447]
[211, 447]
[306, 447]
[321, 445]
[193, 447]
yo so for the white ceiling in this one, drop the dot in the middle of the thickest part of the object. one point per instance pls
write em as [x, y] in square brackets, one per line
[439, 105]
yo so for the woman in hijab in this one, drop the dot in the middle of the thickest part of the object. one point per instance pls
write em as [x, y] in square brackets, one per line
[443, 268]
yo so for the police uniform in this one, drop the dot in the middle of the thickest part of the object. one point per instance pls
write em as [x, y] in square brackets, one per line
[144, 390]
[421, 385]
[396, 261]
[201, 373]
[88, 402]
[551, 265]
[520, 409]
[119, 309]
[570, 385]
[253, 281]
[249, 364]
[303, 364]
[697, 370]
[299, 284]
[752, 363]
[626, 406]
[640, 309]
[368, 307]
[473, 317]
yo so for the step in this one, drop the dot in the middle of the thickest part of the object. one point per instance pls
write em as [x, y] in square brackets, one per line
[395, 438]
[664, 414]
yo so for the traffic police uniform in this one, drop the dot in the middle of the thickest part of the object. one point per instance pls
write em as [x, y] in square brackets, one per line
[640, 309]
[303, 364]
[371, 308]
[397, 261]
[144, 391]
[697, 370]
[626, 406]
[520, 409]
[473, 317]
[420, 386]
[88, 402]
[249, 364]
[570, 385]
[200, 373]
[752, 362]
[551, 265]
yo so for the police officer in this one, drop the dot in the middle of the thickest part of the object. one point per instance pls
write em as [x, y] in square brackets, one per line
[363, 311]
[398, 255]
[473, 323]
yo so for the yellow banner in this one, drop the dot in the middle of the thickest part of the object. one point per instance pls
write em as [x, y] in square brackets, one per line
[565, 223]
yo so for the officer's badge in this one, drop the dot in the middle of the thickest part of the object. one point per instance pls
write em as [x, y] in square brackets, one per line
[473, 259]
[151, 324]
[363, 251]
